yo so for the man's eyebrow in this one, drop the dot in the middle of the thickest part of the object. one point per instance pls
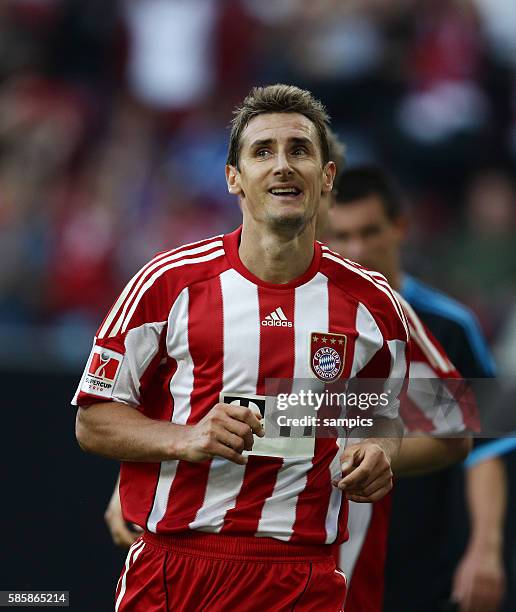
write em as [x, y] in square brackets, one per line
[261, 143]
[294, 140]
[301, 140]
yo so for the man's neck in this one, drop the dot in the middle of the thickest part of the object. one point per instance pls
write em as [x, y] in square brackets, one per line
[276, 257]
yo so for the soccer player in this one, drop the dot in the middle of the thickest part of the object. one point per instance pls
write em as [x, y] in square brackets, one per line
[367, 224]
[176, 384]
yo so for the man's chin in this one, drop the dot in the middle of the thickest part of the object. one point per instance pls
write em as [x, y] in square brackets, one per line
[288, 223]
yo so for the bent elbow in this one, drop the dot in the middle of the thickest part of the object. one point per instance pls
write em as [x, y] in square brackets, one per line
[82, 432]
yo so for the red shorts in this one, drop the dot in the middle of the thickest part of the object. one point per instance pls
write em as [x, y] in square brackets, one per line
[211, 572]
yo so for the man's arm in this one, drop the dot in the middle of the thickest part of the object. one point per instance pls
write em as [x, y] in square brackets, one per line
[118, 431]
[425, 454]
[479, 581]
[121, 534]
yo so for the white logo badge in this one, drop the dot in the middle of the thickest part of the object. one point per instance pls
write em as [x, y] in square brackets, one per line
[277, 318]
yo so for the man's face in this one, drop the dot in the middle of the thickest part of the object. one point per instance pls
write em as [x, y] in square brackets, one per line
[362, 232]
[281, 175]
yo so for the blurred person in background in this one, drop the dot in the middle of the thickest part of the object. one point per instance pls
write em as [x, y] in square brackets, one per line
[427, 534]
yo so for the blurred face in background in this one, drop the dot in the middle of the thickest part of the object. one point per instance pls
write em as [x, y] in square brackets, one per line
[281, 174]
[361, 231]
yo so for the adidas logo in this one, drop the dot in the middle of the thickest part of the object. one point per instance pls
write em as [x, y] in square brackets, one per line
[277, 318]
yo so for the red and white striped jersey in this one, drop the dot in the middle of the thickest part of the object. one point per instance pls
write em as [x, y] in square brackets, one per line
[193, 324]
[362, 556]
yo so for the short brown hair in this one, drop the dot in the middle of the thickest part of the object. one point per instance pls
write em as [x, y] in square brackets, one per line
[278, 99]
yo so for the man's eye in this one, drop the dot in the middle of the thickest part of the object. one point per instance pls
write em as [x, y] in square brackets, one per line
[299, 151]
[262, 153]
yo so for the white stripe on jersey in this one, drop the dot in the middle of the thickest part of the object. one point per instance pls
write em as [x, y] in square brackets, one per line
[278, 516]
[332, 517]
[241, 320]
[132, 555]
[181, 385]
[152, 279]
[447, 417]
[142, 345]
[151, 265]
[240, 375]
[369, 340]
[384, 288]
[359, 519]
[394, 383]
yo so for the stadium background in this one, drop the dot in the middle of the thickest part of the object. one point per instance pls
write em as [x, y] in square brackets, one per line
[113, 131]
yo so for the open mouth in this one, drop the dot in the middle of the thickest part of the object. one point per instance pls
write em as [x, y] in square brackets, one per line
[285, 192]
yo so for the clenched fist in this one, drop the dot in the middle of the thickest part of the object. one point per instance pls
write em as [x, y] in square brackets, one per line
[366, 472]
[226, 431]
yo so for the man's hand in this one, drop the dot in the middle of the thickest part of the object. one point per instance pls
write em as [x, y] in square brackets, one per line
[226, 431]
[120, 533]
[479, 581]
[366, 471]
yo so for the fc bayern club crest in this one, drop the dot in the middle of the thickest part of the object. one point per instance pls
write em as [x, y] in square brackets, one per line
[327, 354]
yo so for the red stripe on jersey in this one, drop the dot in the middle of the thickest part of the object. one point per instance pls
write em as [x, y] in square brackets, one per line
[313, 501]
[205, 338]
[379, 366]
[137, 490]
[155, 394]
[367, 582]
[342, 318]
[277, 345]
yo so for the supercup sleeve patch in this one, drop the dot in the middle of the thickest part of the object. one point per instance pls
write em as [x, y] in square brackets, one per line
[102, 372]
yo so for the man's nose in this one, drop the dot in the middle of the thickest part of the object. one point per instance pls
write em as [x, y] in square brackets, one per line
[282, 166]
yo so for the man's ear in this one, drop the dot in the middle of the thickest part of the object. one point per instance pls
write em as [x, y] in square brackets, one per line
[329, 172]
[233, 180]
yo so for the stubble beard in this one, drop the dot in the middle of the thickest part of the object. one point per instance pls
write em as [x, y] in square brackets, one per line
[287, 225]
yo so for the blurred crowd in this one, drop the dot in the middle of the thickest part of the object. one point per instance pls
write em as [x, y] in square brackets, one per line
[113, 132]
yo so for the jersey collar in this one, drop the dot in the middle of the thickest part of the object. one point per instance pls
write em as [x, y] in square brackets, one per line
[231, 244]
